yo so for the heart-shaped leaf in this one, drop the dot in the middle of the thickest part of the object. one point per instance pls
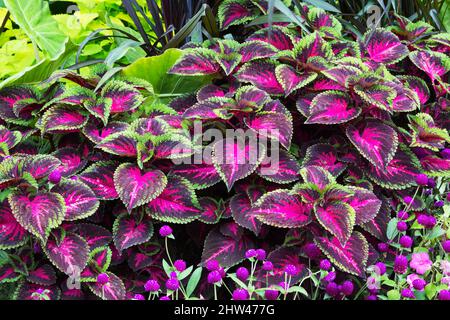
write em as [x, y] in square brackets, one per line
[337, 217]
[131, 229]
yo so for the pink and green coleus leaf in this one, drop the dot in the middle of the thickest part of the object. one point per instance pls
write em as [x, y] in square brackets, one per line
[68, 252]
[317, 175]
[25, 95]
[325, 156]
[276, 36]
[426, 134]
[384, 47]
[99, 177]
[418, 85]
[351, 257]
[31, 291]
[201, 176]
[228, 251]
[38, 213]
[378, 226]
[285, 169]
[124, 98]
[97, 134]
[200, 61]
[40, 166]
[43, 275]
[312, 45]
[241, 208]
[96, 236]
[273, 126]
[250, 98]
[12, 234]
[100, 258]
[211, 210]
[365, 203]
[71, 161]
[233, 12]
[262, 75]
[100, 108]
[400, 173]
[434, 64]
[137, 187]
[177, 203]
[131, 229]
[62, 119]
[122, 144]
[377, 95]
[212, 108]
[235, 159]
[435, 166]
[252, 50]
[292, 80]
[337, 217]
[332, 107]
[81, 202]
[172, 146]
[376, 141]
[9, 139]
[9, 274]
[114, 289]
[283, 209]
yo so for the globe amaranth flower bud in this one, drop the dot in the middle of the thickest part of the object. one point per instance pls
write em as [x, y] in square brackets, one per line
[214, 277]
[102, 279]
[330, 276]
[138, 296]
[151, 286]
[212, 265]
[428, 192]
[400, 264]
[431, 222]
[55, 176]
[402, 226]
[383, 247]
[347, 288]
[446, 246]
[422, 179]
[271, 294]
[180, 265]
[381, 268]
[419, 284]
[251, 253]
[439, 204]
[332, 289]
[406, 241]
[165, 231]
[260, 254]
[422, 219]
[312, 251]
[164, 298]
[242, 274]
[325, 264]
[407, 293]
[371, 297]
[173, 275]
[444, 295]
[172, 284]
[267, 266]
[431, 183]
[408, 200]
[291, 270]
[445, 153]
[402, 215]
[240, 294]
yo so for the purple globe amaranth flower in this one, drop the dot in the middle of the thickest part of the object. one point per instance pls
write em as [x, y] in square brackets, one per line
[165, 231]
[421, 262]
[250, 253]
[271, 294]
[445, 153]
[165, 298]
[173, 275]
[240, 294]
[267, 266]
[422, 219]
[406, 241]
[408, 200]
[402, 215]
[222, 272]
[312, 251]
[330, 276]
[212, 265]
[214, 277]
[419, 284]
[439, 204]
[284, 285]
[55, 176]
[431, 183]
[402, 226]
[381, 268]
[138, 296]
[172, 284]
[431, 222]
[444, 295]
[400, 264]
[407, 293]
[347, 288]
[422, 179]
[291, 270]
[446, 246]
[261, 254]
[332, 289]
[325, 264]
[371, 297]
[383, 247]
[102, 279]
[428, 192]
[151, 286]
[242, 274]
[448, 197]
[180, 265]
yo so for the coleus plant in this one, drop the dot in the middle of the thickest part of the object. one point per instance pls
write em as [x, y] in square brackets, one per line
[89, 168]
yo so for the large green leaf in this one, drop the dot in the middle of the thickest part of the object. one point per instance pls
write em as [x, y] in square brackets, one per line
[154, 70]
[35, 19]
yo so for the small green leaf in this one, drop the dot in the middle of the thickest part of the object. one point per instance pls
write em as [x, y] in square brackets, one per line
[392, 229]
[193, 281]
[393, 295]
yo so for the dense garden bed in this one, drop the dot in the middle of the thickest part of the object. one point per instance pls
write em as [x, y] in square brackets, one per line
[242, 150]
